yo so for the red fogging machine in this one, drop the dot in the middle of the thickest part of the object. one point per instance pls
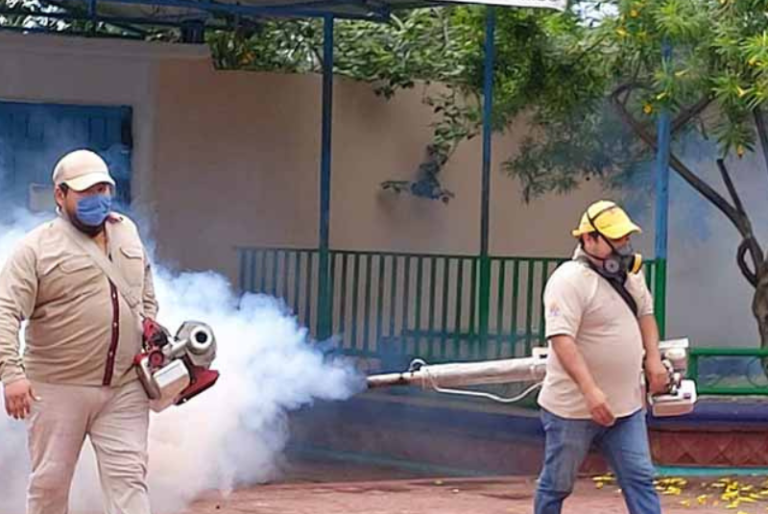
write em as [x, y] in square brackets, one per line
[174, 369]
[679, 398]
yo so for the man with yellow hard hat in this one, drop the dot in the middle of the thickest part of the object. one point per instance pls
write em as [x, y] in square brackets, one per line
[603, 335]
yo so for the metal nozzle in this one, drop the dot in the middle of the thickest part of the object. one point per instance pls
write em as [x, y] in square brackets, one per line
[200, 340]
[387, 380]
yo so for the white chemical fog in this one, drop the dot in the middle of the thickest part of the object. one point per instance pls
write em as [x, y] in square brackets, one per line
[234, 433]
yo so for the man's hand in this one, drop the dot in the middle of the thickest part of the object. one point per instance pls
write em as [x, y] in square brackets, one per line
[18, 398]
[598, 407]
[657, 376]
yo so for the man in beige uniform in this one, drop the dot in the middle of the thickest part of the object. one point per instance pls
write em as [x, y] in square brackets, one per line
[76, 377]
[602, 333]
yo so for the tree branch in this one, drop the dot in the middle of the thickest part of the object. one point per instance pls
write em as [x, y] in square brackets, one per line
[634, 82]
[762, 133]
[686, 173]
[730, 187]
[755, 250]
[627, 88]
[750, 275]
[688, 114]
[588, 50]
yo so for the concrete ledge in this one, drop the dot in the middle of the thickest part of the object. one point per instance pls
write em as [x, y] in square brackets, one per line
[114, 48]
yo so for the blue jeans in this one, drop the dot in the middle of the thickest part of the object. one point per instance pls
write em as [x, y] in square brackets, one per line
[624, 445]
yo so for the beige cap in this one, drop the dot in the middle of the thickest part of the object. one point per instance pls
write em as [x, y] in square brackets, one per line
[80, 170]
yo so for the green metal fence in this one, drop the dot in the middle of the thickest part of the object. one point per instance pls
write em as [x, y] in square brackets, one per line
[729, 371]
[399, 305]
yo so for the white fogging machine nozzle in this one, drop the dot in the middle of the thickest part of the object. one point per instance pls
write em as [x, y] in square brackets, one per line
[201, 340]
[175, 369]
[679, 399]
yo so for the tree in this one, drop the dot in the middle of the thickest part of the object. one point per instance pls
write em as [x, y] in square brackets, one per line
[53, 16]
[715, 83]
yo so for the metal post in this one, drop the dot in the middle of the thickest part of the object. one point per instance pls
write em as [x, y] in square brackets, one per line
[662, 207]
[92, 15]
[325, 300]
[485, 262]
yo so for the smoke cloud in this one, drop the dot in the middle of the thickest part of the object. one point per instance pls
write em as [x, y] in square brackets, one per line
[708, 300]
[231, 435]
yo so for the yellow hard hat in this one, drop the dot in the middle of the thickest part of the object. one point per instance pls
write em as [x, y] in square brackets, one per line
[607, 218]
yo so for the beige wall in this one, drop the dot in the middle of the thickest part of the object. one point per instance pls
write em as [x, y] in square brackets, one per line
[258, 179]
[232, 158]
[377, 140]
[235, 163]
[43, 68]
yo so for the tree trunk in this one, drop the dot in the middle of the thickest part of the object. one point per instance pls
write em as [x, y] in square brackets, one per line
[760, 300]
[760, 305]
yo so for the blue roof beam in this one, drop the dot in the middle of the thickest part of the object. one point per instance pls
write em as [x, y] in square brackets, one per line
[371, 12]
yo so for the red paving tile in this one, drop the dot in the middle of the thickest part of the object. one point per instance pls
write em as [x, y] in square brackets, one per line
[497, 495]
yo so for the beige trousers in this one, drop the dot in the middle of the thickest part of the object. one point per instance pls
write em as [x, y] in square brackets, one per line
[117, 422]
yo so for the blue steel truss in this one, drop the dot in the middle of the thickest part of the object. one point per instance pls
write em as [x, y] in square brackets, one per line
[137, 18]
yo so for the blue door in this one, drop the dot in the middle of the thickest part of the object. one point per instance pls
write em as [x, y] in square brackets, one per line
[34, 136]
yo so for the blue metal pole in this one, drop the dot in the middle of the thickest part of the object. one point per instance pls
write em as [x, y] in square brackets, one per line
[662, 205]
[485, 212]
[325, 301]
[490, 50]
[376, 14]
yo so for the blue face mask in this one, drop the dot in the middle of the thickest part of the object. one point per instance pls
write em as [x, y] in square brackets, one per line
[93, 210]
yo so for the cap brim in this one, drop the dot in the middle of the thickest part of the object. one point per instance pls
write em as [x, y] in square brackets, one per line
[621, 230]
[82, 183]
[577, 232]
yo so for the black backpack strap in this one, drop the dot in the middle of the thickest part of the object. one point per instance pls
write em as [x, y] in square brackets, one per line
[616, 282]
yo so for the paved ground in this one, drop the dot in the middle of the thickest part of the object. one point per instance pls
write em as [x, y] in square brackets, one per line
[334, 489]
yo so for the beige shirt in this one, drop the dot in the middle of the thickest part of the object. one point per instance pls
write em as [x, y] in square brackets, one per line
[581, 304]
[81, 331]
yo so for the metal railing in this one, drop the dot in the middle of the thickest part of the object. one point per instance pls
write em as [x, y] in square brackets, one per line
[729, 371]
[397, 305]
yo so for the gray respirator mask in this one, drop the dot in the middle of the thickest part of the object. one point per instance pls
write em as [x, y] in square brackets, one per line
[622, 260]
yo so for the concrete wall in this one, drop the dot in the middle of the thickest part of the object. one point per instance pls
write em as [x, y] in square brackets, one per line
[234, 156]
[42, 68]
[235, 163]
[256, 182]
